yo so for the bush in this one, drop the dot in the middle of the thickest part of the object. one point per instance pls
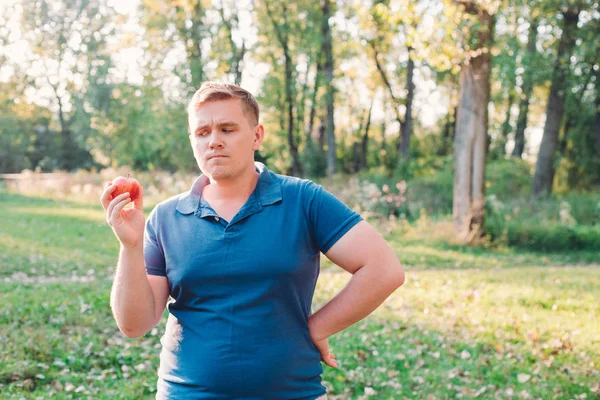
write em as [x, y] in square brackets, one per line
[508, 178]
[545, 237]
[430, 188]
[569, 222]
[553, 224]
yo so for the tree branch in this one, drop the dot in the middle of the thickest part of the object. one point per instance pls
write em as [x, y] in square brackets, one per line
[386, 82]
[278, 33]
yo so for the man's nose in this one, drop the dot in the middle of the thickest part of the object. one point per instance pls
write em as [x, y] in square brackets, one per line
[215, 139]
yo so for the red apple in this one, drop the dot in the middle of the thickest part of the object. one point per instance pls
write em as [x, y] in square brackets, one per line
[126, 184]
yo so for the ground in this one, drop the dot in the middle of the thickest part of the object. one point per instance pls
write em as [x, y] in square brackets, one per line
[469, 322]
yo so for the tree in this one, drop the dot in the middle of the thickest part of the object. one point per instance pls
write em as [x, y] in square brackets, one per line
[504, 60]
[24, 132]
[544, 169]
[231, 24]
[329, 97]
[197, 28]
[364, 142]
[384, 28]
[68, 40]
[282, 33]
[471, 128]
[597, 126]
[527, 87]
[291, 44]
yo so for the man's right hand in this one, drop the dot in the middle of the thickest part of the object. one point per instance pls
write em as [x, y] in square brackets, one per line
[127, 224]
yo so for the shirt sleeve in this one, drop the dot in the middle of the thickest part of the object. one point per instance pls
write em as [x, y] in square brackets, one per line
[329, 217]
[153, 252]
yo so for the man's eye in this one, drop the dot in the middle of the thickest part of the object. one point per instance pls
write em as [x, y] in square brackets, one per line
[227, 130]
[201, 133]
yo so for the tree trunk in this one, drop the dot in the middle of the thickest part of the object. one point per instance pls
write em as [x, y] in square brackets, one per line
[301, 109]
[447, 127]
[328, 69]
[544, 168]
[322, 136]
[527, 90]
[406, 128]
[313, 102]
[470, 138]
[480, 150]
[68, 147]
[365, 139]
[193, 42]
[598, 115]
[283, 38]
[506, 126]
[296, 167]
[571, 114]
[355, 157]
[448, 131]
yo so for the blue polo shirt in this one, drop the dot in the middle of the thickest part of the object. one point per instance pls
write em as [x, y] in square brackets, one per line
[242, 289]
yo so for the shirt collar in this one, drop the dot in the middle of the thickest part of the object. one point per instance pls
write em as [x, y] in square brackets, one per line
[268, 190]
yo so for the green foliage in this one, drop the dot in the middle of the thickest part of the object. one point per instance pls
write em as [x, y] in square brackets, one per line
[19, 126]
[551, 224]
[144, 131]
[570, 222]
[314, 160]
[508, 178]
[26, 140]
[536, 235]
[429, 186]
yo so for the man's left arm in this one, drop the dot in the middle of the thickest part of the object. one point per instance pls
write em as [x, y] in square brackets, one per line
[376, 274]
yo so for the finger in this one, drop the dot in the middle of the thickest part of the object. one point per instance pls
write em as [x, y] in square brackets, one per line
[138, 204]
[113, 203]
[116, 217]
[105, 196]
[327, 357]
[331, 361]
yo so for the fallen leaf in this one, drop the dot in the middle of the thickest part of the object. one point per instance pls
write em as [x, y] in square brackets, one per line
[58, 386]
[523, 378]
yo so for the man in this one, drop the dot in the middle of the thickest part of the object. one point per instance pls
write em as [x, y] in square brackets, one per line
[239, 254]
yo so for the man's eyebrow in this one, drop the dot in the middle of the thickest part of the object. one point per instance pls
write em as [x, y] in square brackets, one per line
[219, 124]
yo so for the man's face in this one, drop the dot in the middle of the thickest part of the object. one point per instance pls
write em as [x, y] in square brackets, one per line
[223, 139]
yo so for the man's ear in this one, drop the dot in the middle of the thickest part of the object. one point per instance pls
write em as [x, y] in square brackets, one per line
[259, 135]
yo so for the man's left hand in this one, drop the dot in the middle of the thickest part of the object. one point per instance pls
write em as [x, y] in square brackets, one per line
[327, 357]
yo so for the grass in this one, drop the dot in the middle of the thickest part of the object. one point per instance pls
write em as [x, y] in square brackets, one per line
[469, 322]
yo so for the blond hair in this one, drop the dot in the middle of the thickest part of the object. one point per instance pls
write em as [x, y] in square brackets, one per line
[216, 91]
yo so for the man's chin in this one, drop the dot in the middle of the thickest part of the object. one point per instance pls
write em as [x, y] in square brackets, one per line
[219, 173]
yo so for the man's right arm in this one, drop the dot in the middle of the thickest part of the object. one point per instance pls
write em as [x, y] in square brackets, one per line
[137, 300]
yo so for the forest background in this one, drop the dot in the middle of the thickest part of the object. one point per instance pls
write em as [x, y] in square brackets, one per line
[468, 132]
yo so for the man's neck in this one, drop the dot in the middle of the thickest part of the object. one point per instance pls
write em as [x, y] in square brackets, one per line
[232, 189]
